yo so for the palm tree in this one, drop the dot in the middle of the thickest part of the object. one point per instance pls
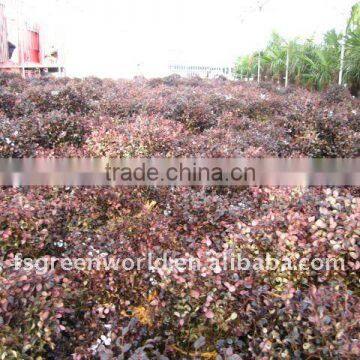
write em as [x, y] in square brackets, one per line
[352, 52]
[246, 66]
[320, 66]
[274, 58]
[315, 66]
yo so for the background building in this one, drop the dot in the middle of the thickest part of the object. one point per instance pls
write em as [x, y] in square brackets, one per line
[25, 45]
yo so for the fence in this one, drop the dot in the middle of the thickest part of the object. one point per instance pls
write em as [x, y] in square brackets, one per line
[202, 71]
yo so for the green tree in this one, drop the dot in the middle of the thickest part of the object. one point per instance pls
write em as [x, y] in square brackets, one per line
[352, 52]
[315, 66]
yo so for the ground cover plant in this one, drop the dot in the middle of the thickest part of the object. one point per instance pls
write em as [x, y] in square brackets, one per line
[110, 314]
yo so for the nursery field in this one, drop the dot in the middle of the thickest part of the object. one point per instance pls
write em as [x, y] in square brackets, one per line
[168, 313]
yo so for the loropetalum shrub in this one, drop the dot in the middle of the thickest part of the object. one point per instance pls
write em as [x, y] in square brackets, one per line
[336, 94]
[254, 119]
[25, 136]
[165, 313]
[65, 98]
[142, 137]
[7, 103]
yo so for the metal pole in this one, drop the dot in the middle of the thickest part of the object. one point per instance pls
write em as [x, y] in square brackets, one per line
[343, 46]
[342, 58]
[260, 5]
[287, 66]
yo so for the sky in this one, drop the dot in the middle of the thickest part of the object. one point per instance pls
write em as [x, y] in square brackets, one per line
[123, 38]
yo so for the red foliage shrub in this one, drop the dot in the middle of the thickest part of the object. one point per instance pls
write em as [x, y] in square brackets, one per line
[23, 137]
[168, 313]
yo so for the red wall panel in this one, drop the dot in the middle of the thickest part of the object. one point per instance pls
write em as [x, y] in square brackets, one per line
[34, 46]
[30, 47]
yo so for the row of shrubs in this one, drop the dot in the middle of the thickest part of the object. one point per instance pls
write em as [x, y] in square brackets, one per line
[218, 118]
[232, 315]
[142, 314]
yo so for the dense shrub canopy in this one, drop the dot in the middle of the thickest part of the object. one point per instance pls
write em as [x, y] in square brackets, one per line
[159, 315]
[173, 117]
